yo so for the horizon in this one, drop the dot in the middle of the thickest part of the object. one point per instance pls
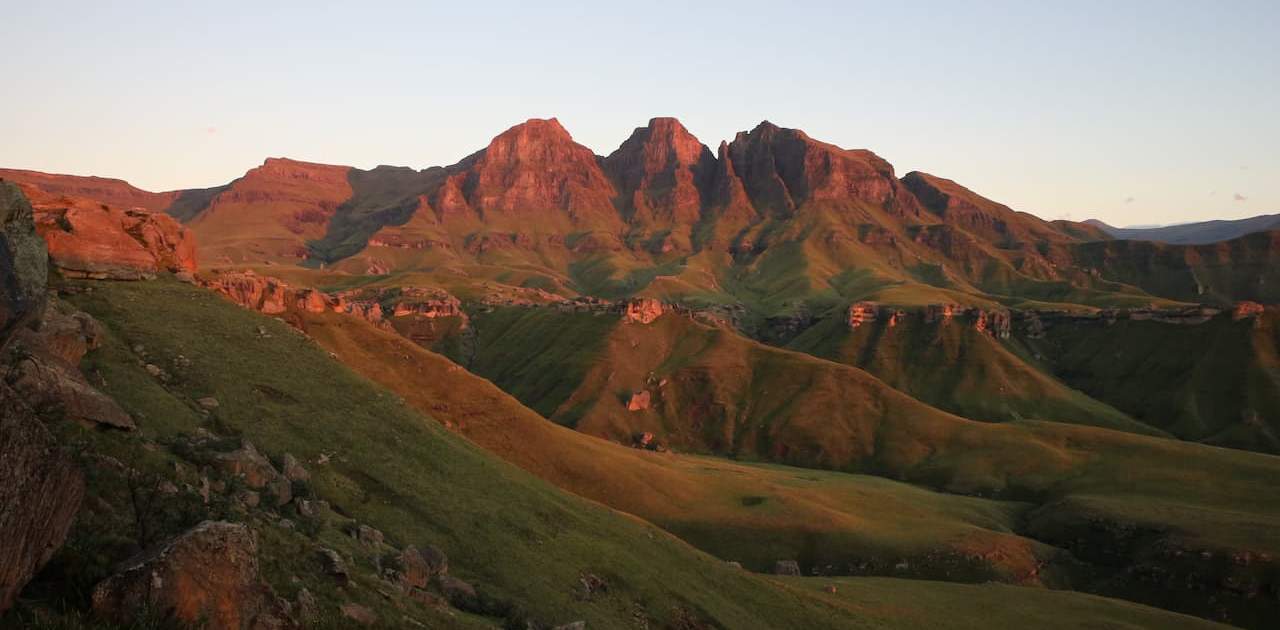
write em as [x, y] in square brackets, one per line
[1095, 113]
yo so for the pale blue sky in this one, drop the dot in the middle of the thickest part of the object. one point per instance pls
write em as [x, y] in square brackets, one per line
[1135, 112]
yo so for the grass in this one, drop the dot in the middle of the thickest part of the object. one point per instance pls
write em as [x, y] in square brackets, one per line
[1078, 489]
[403, 473]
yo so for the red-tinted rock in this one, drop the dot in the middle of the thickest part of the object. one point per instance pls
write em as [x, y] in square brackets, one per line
[639, 401]
[537, 166]
[643, 310]
[782, 169]
[87, 238]
[207, 575]
[662, 172]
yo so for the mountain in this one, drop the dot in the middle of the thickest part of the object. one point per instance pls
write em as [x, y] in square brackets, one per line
[774, 223]
[1198, 233]
[758, 386]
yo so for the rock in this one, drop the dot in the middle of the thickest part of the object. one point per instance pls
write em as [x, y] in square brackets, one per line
[639, 401]
[786, 567]
[44, 368]
[436, 560]
[248, 498]
[40, 493]
[334, 566]
[663, 173]
[23, 263]
[415, 572]
[208, 403]
[91, 239]
[48, 383]
[293, 469]
[645, 441]
[643, 310]
[208, 574]
[368, 535]
[155, 371]
[861, 313]
[459, 593]
[1245, 310]
[358, 614]
[308, 610]
[256, 470]
[532, 167]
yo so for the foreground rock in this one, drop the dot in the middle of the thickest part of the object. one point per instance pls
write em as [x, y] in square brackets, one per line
[40, 492]
[208, 574]
[41, 366]
[40, 487]
[23, 262]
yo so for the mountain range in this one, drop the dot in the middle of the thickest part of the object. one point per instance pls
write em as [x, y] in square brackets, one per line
[1197, 233]
[777, 357]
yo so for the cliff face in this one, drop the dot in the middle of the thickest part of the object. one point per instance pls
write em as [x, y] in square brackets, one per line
[534, 169]
[87, 238]
[663, 174]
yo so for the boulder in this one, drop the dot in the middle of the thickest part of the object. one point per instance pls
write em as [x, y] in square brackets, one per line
[23, 263]
[334, 566]
[209, 574]
[293, 469]
[437, 561]
[256, 470]
[415, 573]
[40, 492]
[369, 535]
[43, 368]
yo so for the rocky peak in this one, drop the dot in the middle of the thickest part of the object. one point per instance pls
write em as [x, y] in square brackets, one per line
[782, 169]
[534, 166]
[662, 172]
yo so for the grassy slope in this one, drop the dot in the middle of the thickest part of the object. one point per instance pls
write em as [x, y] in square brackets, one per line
[958, 369]
[880, 601]
[795, 409]
[755, 514]
[1217, 382]
[395, 469]
[1095, 488]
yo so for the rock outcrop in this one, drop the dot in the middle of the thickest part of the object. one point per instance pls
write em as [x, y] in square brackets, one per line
[90, 239]
[23, 262]
[996, 323]
[208, 574]
[643, 310]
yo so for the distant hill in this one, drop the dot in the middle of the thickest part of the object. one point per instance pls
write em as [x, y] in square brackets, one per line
[1194, 233]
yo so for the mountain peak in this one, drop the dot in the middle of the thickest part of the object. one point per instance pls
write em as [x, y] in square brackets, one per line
[662, 172]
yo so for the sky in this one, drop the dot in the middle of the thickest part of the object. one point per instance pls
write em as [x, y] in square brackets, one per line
[1132, 112]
